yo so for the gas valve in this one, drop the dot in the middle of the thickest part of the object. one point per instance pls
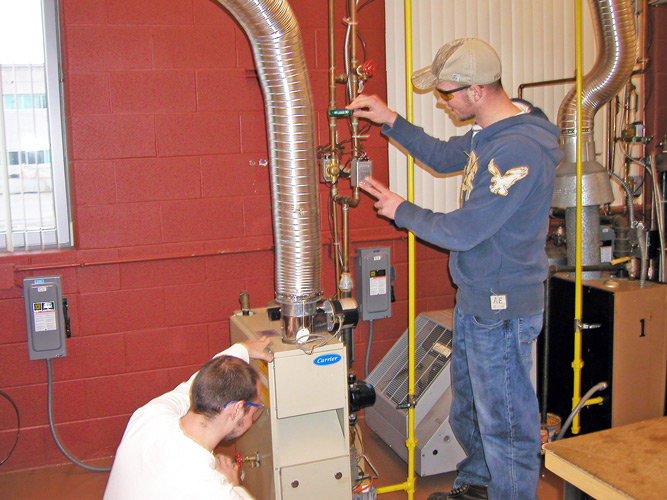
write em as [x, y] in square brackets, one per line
[366, 70]
[251, 461]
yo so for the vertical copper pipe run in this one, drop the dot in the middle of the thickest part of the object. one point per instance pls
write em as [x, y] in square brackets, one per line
[333, 207]
[353, 80]
[331, 4]
[611, 134]
[346, 238]
[352, 83]
[647, 198]
[336, 250]
[347, 333]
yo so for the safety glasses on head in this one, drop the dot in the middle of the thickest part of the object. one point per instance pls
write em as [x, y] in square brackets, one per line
[258, 412]
[448, 95]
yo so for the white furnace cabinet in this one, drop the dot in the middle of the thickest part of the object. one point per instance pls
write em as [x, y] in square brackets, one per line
[299, 448]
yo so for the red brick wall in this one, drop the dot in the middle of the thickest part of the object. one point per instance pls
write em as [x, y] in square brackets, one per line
[167, 149]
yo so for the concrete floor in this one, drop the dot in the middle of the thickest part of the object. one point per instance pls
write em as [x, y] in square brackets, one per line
[70, 482]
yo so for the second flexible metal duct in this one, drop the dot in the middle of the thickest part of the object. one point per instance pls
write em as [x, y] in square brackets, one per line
[616, 38]
[614, 26]
[276, 42]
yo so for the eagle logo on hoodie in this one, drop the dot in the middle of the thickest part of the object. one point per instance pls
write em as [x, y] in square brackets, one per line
[500, 184]
[469, 173]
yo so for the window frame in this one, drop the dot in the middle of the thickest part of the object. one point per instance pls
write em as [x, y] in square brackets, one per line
[62, 235]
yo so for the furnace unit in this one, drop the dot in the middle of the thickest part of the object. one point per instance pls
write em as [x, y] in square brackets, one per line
[299, 448]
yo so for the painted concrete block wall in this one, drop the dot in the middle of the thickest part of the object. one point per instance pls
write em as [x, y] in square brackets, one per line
[172, 217]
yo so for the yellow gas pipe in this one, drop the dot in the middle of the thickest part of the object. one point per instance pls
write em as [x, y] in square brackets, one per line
[577, 363]
[411, 442]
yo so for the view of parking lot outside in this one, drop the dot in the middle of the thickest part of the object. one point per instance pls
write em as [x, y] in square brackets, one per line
[26, 190]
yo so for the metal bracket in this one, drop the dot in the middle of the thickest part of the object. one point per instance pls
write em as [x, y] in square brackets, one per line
[410, 403]
[590, 326]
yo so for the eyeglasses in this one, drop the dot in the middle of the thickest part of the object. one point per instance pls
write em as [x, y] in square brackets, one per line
[447, 95]
[258, 412]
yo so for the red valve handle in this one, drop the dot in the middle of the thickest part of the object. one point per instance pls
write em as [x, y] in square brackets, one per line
[367, 69]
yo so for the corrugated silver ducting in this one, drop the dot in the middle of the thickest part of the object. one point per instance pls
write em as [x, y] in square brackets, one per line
[616, 37]
[615, 33]
[276, 42]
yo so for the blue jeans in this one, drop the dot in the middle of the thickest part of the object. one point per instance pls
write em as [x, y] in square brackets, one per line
[494, 412]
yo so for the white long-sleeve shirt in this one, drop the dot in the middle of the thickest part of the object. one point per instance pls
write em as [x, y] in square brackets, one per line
[157, 461]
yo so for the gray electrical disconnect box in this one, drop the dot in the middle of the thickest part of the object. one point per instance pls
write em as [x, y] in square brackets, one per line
[373, 276]
[45, 320]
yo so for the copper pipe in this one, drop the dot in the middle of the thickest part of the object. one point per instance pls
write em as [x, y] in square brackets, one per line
[331, 4]
[611, 134]
[335, 236]
[188, 255]
[341, 249]
[353, 79]
[145, 258]
[647, 199]
[543, 83]
[392, 237]
[352, 201]
[346, 238]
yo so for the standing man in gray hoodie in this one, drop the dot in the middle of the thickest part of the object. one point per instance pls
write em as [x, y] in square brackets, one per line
[497, 258]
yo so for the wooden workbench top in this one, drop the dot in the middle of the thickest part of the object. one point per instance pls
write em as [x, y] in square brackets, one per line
[629, 461]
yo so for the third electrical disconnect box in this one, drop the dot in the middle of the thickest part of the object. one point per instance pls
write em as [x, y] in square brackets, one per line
[373, 277]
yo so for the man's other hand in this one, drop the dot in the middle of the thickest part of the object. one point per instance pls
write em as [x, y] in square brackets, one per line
[388, 201]
[228, 467]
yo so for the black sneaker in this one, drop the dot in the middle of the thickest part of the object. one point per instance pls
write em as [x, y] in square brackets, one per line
[466, 492]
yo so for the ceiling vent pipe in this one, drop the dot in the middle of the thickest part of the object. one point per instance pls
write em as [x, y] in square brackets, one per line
[276, 43]
[614, 26]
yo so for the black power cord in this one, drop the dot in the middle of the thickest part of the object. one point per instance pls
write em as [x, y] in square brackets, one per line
[18, 426]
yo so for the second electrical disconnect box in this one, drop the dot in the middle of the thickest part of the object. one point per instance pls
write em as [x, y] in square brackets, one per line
[373, 277]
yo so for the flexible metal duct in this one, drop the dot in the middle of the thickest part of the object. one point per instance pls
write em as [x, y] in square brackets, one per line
[276, 42]
[614, 25]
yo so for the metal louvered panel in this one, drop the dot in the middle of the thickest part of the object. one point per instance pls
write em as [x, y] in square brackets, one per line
[437, 448]
[433, 350]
